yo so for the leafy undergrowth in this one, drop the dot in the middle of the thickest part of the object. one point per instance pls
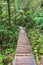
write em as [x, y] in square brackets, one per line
[8, 43]
[36, 40]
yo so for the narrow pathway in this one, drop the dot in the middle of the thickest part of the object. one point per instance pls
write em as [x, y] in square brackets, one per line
[24, 54]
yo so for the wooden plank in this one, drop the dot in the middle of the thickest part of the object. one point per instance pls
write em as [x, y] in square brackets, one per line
[24, 59]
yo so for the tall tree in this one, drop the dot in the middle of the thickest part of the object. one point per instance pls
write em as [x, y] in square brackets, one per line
[8, 1]
[0, 13]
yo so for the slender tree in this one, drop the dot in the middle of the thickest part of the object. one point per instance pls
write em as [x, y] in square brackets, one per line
[8, 1]
[0, 13]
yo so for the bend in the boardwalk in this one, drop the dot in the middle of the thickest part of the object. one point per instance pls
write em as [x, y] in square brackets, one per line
[24, 54]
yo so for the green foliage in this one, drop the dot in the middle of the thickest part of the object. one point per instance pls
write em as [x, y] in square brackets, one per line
[36, 42]
[38, 18]
[8, 39]
[20, 13]
[8, 33]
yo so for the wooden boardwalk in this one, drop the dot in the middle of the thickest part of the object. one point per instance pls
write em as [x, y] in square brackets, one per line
[24, 54]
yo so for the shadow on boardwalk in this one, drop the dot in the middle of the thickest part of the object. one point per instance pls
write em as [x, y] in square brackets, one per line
[24, 55]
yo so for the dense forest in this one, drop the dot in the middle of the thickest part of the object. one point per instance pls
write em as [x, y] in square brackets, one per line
[25, 13]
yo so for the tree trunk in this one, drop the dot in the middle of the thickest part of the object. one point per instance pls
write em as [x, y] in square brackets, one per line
[9, 12]
[0, 14]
